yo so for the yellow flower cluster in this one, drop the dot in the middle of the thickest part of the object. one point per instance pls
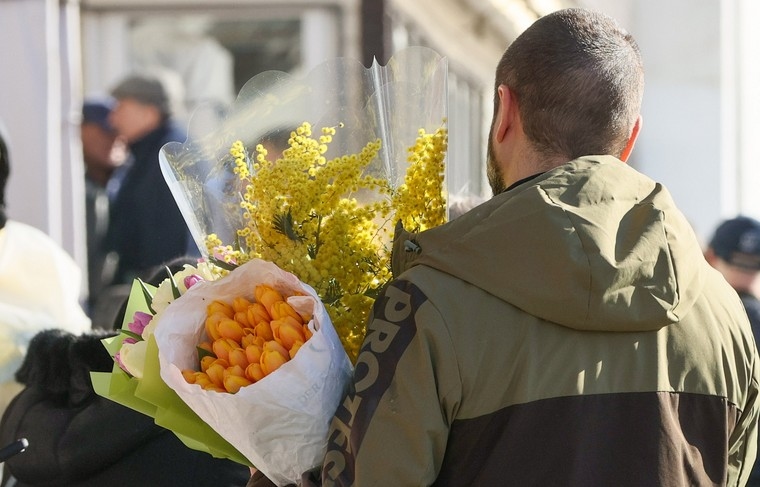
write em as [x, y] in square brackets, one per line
[330, 222]
[419, 202]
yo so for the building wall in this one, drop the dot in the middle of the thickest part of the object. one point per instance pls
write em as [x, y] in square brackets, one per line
[39, 107]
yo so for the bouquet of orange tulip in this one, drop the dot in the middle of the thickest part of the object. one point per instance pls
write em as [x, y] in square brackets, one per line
[248, 340]
[246, 367]
[280, 408]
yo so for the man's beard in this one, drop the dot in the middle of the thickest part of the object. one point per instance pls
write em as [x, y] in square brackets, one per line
[493, 170]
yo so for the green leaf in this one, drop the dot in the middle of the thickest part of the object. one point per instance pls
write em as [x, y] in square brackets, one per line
[333, 293]
[131, 334]
[175, 288]
[224, 265]
[284, 224]
[148, 296]
[311, 249]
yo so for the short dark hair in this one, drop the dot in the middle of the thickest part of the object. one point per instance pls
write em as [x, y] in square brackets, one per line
[578, 79]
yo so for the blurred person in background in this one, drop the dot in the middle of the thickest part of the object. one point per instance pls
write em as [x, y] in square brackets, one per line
[146, 227]
[40, 287]
[734, 250]
[104, 155]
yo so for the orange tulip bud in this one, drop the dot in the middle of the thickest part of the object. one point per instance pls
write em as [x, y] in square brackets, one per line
[242, 318]
[215, 373]
[230, 329]
[212, 325]
[249, 338]
[221, 307]
[206, 346]
[233, 383]
[271, 361]
[238, 357]
[253, 353]
[273, 346]
[267, 296]
[189, 376]
[223, 362]
[264, 330]
[234, 370]
[206, 361]
[223, 346]
[240, 304]
[281, 309]
[254, 372]
[257, 313]
[202, 379]
[288, 333]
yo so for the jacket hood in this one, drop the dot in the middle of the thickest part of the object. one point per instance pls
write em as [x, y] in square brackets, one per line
[590, 245]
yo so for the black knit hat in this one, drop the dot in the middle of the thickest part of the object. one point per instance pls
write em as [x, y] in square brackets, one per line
[737, 241]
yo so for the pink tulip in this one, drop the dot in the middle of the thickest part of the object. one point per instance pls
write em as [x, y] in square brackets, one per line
[192, 280]
[117, 359]
[139, 321]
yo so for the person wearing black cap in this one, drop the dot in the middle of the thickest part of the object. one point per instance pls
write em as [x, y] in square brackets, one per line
[734, 250]
[146, 226]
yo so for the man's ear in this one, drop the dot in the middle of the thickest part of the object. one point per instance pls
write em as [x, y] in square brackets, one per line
[504, 115]
[631, 140]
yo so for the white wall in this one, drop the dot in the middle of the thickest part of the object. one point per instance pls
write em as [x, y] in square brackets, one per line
[701, 102]
[741, 28]
[40, 72]
[680, 144]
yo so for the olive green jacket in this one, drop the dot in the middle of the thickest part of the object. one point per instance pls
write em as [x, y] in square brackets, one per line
[566, 332]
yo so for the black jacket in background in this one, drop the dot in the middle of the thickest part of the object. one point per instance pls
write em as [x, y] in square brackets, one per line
[146, 227]
[78, 439]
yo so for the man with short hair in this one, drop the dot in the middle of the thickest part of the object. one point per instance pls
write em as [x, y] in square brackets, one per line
[566, 332]
[146, 227]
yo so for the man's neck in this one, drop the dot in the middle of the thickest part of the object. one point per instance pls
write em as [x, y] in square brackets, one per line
[528, 163]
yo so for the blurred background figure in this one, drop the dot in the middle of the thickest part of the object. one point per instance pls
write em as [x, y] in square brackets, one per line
[40, 287]
[77, 438]
[146, 226]
[734, 250]
[104, 154]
